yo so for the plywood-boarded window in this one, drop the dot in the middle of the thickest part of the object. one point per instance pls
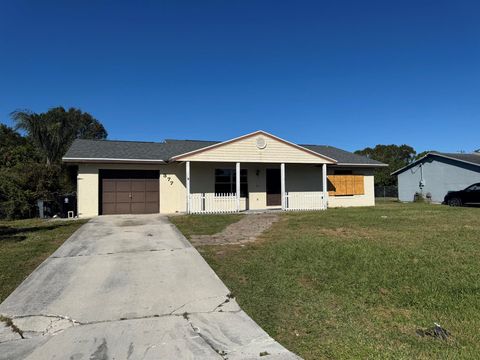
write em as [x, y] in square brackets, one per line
[346, 185]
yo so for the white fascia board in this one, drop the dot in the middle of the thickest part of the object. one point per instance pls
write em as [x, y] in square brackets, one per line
[111, 160]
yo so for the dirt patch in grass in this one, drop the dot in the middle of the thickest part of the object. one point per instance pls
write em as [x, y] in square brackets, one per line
[351, 233]
[306, 281]
[247, 229]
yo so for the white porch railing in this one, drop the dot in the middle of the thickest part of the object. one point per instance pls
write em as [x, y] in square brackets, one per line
[209, 203]
[314, 200]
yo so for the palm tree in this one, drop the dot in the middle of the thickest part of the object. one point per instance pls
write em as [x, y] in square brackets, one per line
[37, 130]
[54, 131]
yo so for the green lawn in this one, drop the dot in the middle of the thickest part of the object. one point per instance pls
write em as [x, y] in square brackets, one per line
[359, 282]
[24, 244]
[203, 224]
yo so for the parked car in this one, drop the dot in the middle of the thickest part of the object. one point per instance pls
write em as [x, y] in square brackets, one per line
[468, 196]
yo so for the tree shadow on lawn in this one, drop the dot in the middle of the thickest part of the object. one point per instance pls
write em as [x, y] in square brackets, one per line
[18, 234]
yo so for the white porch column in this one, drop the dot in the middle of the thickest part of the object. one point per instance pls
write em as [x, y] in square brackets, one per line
[237, 184]
[324, 183]
[187, 177]
[282, 185]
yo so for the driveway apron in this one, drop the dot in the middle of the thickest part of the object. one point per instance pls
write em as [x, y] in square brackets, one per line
[129, 287]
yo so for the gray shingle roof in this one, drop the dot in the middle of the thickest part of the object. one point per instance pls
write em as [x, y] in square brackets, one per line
[342, 156]
[473, 158]
[163, 151]
[132, 150]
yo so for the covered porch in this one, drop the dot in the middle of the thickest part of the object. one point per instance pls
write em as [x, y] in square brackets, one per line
[230, 187]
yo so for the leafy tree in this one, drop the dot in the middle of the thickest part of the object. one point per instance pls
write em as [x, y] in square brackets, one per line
[423, 153]
[14, 148]
[30, 165]
[17, 184]
[396, 156]
[54, 131]
[17, 193]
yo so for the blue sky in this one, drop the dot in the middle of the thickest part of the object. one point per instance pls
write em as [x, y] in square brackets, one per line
[345, 73]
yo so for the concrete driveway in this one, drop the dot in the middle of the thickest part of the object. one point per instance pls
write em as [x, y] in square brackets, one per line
[129, 287]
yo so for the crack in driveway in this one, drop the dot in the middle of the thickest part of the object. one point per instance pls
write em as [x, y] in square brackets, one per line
[13, 328]
[202, 299]
[115, 252]
[29, 326]
[221, 353]
[73, 322]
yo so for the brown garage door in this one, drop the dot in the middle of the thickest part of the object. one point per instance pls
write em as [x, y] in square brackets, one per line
[129, 192]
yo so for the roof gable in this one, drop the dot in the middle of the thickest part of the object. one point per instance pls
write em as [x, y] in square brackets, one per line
[472, 159]
[258, 146]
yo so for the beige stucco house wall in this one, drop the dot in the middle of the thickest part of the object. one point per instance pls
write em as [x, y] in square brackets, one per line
[255, 152]
[299, 178]
[246, 150]
[87, 190]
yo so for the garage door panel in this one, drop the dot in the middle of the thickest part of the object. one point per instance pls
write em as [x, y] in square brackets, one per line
[109, 185]
[109, 208]
[151, 208]
[123, 185]
[123, 197]
[143, 208]
[138, 196]
[151, 196]
[138, 208]
[130, 192]
[108, 197]
[151, 185]
[138, 185]
[122, 208]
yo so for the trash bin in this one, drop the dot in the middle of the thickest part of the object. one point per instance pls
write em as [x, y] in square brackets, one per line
[68, 203]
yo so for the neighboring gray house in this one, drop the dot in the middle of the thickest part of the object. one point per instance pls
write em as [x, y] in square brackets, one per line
[437, 173]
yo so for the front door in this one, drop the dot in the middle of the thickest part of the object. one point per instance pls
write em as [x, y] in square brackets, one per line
[274, 191]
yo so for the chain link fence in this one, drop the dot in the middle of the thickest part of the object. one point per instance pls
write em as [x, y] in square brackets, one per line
[386, 192]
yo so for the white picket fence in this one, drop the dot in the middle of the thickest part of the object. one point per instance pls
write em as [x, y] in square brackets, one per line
[303, 201]
[209, 203]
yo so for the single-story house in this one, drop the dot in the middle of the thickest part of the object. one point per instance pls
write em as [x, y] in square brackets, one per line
[436, 173]
[251, 172]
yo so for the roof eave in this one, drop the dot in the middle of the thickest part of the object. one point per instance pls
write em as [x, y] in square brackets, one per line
[74, 160]
[361, 165]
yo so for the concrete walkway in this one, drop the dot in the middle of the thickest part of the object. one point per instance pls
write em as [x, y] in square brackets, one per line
[129, 287]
